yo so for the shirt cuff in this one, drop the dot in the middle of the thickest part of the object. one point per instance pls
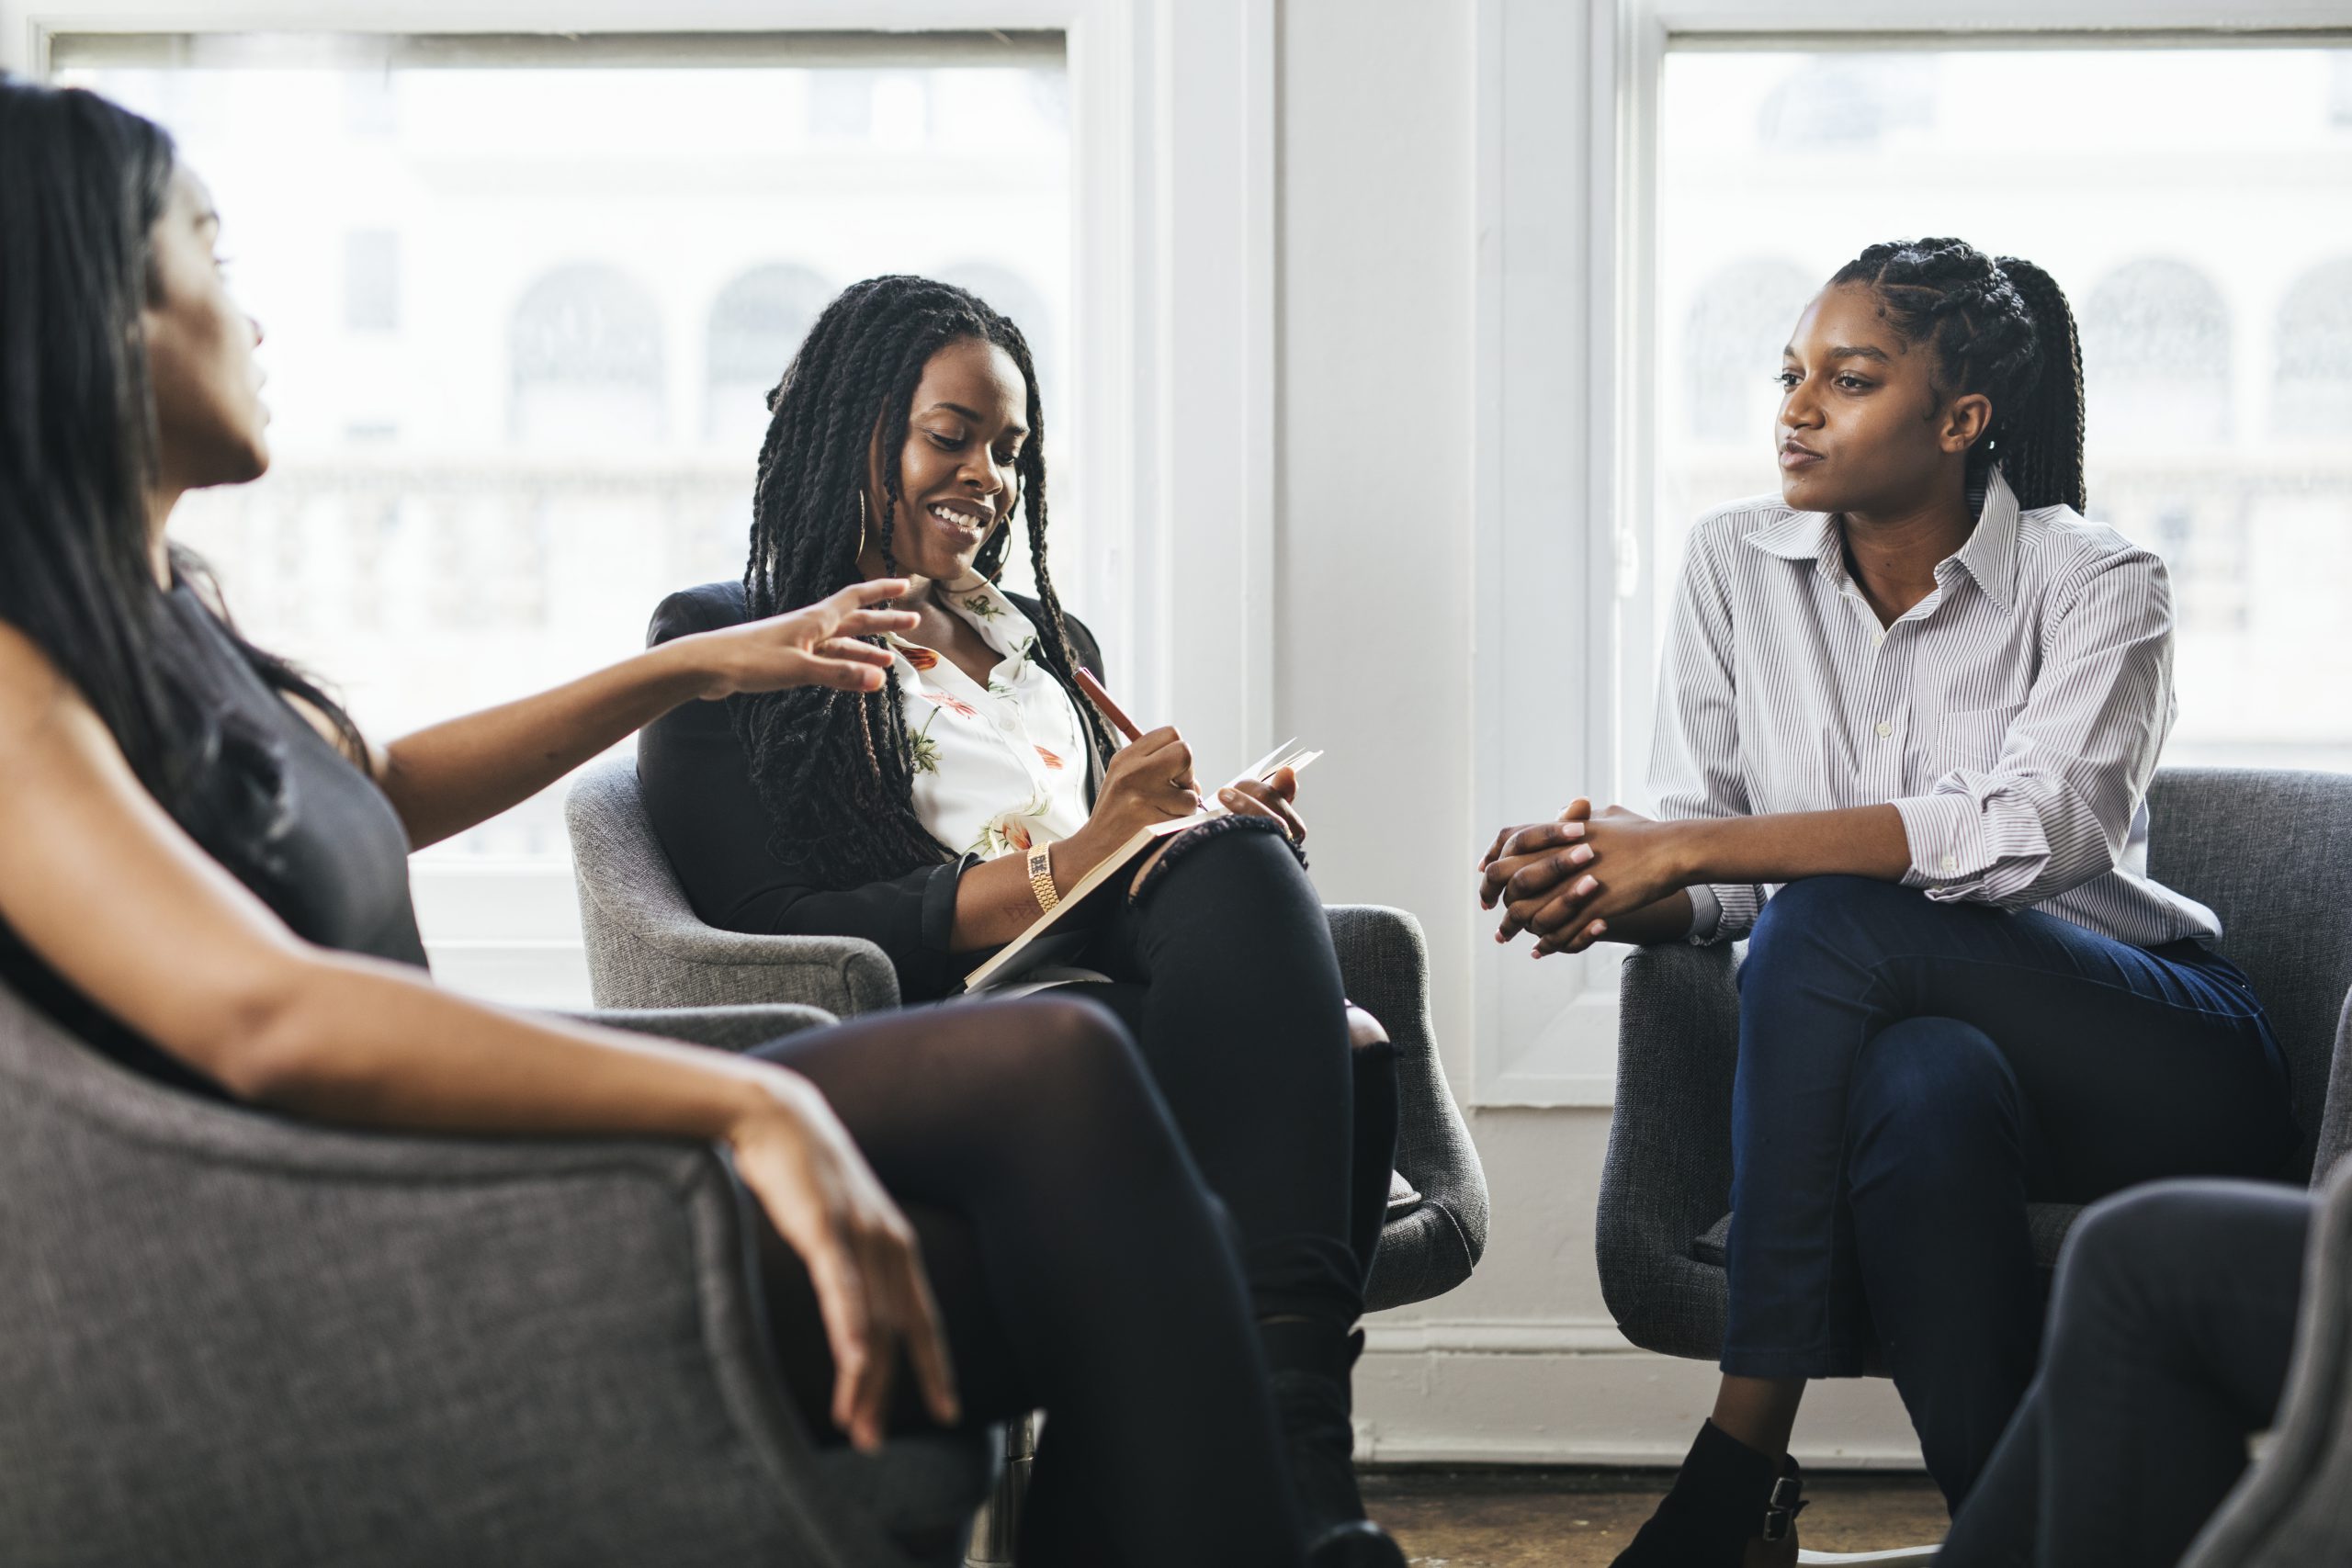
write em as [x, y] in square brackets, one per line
[1706, 914]
[1946, 837]
[939, 903]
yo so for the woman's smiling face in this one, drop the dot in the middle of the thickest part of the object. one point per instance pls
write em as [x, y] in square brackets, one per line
[964, 431]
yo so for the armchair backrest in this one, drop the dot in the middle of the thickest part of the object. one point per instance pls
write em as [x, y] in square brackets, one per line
[647, 948]
[2270, 852]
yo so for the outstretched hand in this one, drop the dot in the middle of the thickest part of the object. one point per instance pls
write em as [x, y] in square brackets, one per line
[817, 646]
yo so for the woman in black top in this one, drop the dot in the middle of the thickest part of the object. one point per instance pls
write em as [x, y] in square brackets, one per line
[202, 874]
[923, 816]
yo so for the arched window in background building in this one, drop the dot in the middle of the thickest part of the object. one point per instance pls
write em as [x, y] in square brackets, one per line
[1015, 297]
[2156, 357]
[1739, 322]
[756, 325]
[2311, 393]
[585, 348]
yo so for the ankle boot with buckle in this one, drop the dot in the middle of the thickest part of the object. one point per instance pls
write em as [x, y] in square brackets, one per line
[1730, 1508]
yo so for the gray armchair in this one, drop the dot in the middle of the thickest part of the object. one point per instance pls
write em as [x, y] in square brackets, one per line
[647, 948]
[2269, 851]
[237, 1342]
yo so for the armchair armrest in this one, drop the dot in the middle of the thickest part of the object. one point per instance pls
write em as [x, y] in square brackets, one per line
[1385, 963]
[2335, 1119]
[1668, 1175]
[236, 1337]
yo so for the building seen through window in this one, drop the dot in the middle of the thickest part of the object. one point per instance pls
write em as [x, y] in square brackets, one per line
[522, 320]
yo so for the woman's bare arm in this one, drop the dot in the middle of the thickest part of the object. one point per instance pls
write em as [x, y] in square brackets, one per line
[450, 776]
[99, 881]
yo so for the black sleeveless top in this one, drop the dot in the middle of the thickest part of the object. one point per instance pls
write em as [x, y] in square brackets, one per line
[332, 862]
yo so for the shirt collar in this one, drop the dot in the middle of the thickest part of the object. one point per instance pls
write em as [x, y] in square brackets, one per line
[1990, 556]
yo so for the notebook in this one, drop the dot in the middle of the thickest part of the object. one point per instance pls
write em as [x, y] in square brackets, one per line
[1053, 936]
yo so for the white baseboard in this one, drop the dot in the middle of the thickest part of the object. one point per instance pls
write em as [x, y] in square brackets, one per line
[1571, 1391]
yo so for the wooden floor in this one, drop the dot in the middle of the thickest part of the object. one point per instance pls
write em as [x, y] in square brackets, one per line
[1525, 1518]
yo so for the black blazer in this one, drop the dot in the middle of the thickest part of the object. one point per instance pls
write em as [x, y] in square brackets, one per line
[712, 825]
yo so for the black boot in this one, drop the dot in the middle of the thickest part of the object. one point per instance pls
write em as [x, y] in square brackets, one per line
[1727, 1498]
[1312, 1363]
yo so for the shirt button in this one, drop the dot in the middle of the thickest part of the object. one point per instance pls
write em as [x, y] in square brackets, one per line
[1884, 728]
[1951, 863]
[1878, 639]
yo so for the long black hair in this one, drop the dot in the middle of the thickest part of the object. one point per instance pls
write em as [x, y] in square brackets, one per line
[836, 769]
[1999, 326]
[82, 185]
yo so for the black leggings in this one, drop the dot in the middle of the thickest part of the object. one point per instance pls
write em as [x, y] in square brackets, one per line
[1225, 971]
[2170, 1332]
[1079, 1266]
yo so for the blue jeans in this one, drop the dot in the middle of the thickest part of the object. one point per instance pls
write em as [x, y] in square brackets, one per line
[1911, 1074]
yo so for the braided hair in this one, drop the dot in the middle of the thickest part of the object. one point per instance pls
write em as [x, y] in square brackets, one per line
[836, 769]
[1999, 326]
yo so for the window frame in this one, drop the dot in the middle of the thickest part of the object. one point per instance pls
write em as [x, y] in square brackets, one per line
[1566, 418]
[1171, 334]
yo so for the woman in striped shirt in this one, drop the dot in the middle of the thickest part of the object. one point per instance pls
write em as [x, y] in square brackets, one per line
[1904, 737]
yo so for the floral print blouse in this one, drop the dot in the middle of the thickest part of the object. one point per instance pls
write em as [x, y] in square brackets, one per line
[1002, 767]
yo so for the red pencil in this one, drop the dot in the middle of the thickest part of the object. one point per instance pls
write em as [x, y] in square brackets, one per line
[1101, 699]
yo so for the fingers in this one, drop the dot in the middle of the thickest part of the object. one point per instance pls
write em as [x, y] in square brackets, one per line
[874, 623]
[1577, 810]
[1572, 942]
[858, 652]
[1250, 798]
[873, 591]
[1513, 850]
[927, 1342]
[843, 676]
[869, 1392]
[1552, 913]
[841, 1303]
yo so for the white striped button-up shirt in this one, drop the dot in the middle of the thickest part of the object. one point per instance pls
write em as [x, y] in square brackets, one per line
[2013, 715]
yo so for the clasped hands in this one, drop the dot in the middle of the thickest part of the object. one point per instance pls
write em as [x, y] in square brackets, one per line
[1566, 879]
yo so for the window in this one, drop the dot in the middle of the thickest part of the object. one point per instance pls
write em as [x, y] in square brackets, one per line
[2312, 396]
[756, 325]
[1647, 236]
[2187, 199]
[523, 304]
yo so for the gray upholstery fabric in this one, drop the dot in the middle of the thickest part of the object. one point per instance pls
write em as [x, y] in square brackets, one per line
[1431, 1246]
[648, 949]
[2270, 852]
[2293, 1509]
[233, 1340]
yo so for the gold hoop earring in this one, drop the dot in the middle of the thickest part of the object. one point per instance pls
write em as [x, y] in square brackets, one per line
[861, 525]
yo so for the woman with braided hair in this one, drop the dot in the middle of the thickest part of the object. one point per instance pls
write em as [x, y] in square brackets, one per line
[1907, 725]
[935, 816]
[204, 877]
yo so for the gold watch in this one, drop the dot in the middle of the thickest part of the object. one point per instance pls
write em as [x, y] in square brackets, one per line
[1041, 878]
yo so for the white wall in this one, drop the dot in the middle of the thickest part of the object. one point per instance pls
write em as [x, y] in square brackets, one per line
[1375, 644]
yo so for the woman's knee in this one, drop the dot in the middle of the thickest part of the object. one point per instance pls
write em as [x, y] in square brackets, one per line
[1932, 1104]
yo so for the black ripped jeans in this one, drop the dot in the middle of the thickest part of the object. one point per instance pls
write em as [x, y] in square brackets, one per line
[1080, 1264]
[1224, 969]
